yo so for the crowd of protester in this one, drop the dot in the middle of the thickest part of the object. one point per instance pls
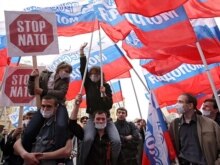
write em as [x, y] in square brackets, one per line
[50, 136]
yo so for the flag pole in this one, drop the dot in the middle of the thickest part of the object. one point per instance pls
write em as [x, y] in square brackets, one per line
[87, 62]
[100, 56]
[36, 82]
[20, 116]
[145, 86]
[208, 74]
[135, 93]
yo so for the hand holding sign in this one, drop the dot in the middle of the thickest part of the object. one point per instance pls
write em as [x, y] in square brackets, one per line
[35, 72]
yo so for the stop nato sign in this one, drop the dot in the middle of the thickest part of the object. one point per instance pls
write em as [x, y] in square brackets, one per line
[16, 86]
[31, 33]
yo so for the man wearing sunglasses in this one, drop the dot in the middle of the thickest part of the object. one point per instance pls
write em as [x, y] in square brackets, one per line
[45, 140]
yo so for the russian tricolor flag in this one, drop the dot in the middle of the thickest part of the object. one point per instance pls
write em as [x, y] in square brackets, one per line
[169, 29]
[116, 91]
[114, 63]
[80, 19]
[186, 78]
[158, 148]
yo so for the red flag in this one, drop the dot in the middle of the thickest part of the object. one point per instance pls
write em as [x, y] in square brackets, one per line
[161, 67]
[147, 8]
[4, 59]
[117, 32]
[2, 71]
[202, 9]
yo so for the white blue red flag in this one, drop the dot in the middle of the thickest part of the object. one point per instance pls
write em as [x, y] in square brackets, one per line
[73, 19]
[163, 30]
[186, 78]
[4, 58]
[157, 145]
[114, 63]
[116, 91]
[208, 35]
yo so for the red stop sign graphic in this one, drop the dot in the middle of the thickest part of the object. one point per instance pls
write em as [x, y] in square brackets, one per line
[31, 33]
[16, 86]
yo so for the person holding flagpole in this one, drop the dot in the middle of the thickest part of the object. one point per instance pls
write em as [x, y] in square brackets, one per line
[98, 97]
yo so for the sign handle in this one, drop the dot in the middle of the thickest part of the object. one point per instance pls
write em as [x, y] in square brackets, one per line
[36, 81]
[20, 117]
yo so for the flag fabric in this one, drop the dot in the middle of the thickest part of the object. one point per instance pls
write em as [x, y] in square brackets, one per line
[184, 79]
[3, 41]
[71, 20]
[147, 7]
[79, 19]
[4, 59]
[163, 30]
[2, 72]
[161, 67]
[112, 22]
[208, 36]
[114, 63]
[14, 117]
[156, 148]
[202, 8]
[116, 91]
[124, 75]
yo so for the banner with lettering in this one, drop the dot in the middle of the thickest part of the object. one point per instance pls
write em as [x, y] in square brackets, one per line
[158, 148]
[31, 33]
[163, 30]
[208, 36]
[82, 17]
[186, 78]
[113, 62]
[14, 90]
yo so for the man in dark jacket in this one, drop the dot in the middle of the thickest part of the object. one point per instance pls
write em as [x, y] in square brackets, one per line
[129, 138]
[196, 138]
[100, 151]
[98, 97]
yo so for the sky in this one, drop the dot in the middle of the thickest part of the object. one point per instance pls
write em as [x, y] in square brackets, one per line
[136, 106]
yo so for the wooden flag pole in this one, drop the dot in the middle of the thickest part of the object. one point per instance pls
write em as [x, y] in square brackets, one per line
[36, 82]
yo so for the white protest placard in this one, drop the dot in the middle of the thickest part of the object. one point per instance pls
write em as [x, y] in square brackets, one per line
[31, 33]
